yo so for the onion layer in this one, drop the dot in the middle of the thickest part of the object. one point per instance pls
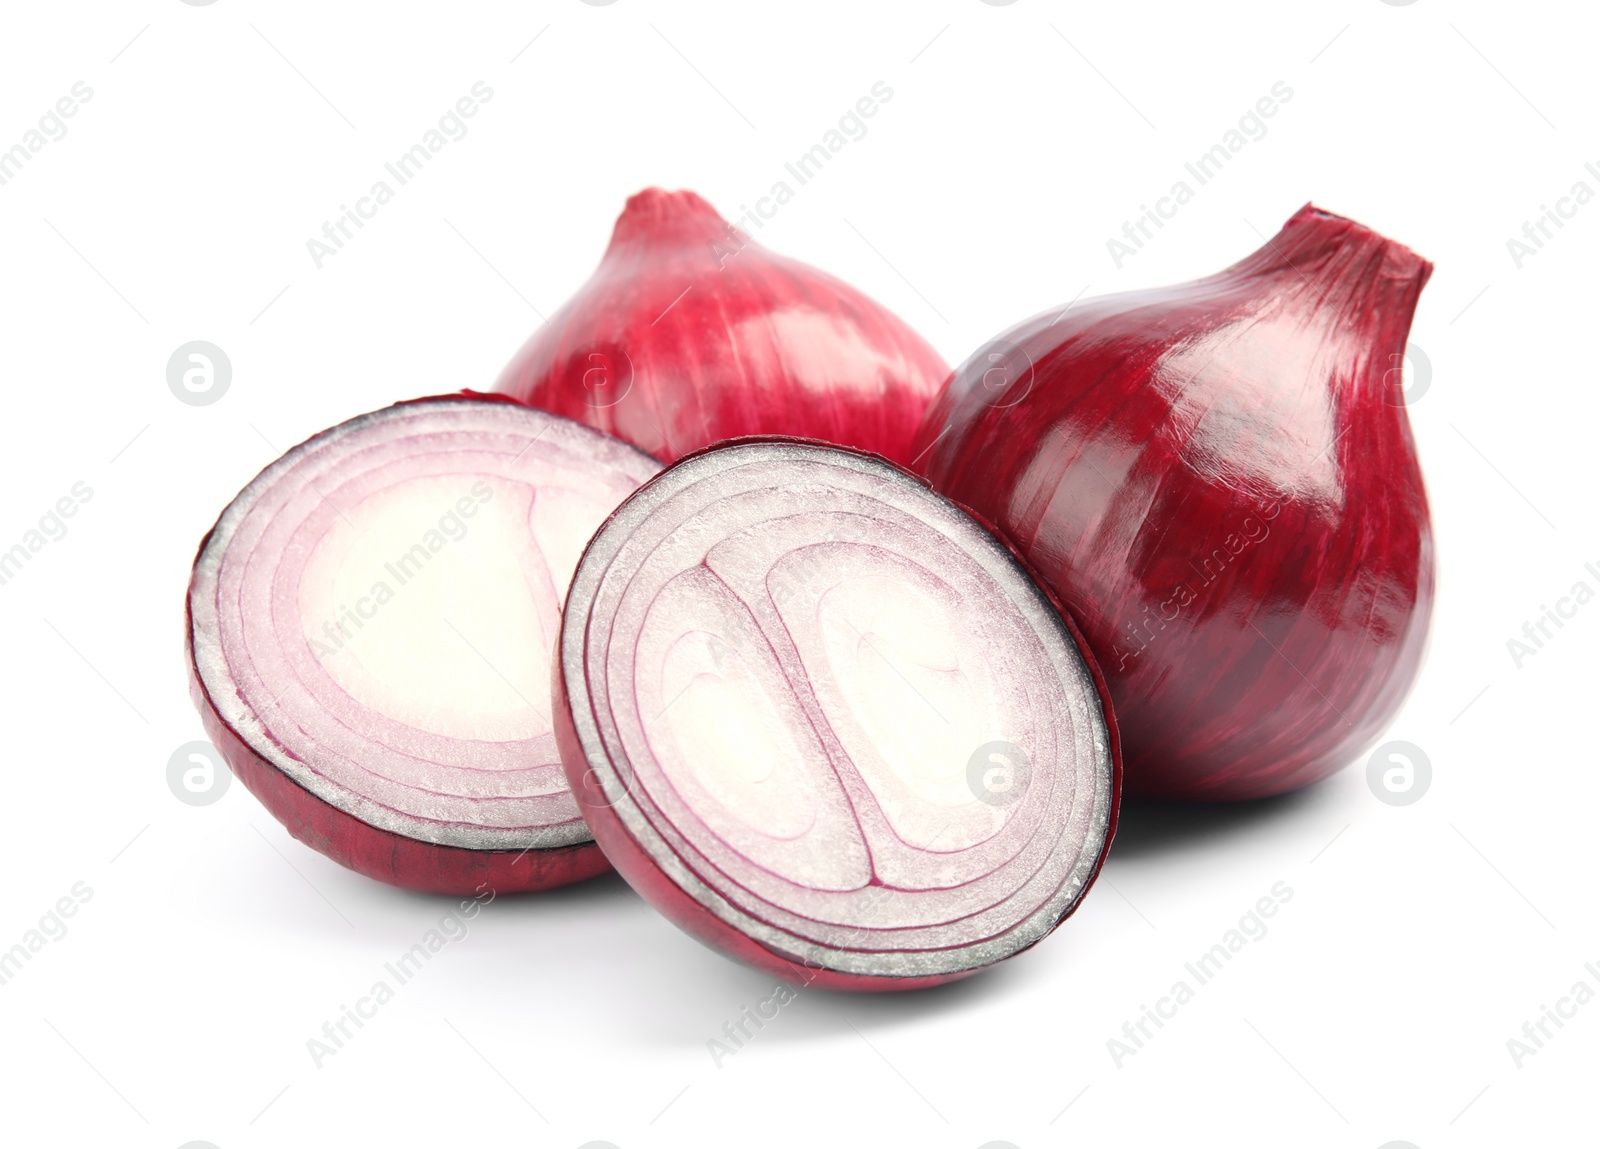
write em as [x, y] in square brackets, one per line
[826, 721]
[690, 332]
[370, 627]
[1219, 481]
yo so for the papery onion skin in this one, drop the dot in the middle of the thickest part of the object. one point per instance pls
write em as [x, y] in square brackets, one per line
[689, 332]
[386, 856]
[645, 875]
[1220, 482]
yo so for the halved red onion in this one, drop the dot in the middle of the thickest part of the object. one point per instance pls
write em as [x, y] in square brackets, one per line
[370, 630]
[825, 720]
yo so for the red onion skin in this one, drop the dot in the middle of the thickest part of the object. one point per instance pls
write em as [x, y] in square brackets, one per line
[761, 344]
[1119, 475]
[641, 872]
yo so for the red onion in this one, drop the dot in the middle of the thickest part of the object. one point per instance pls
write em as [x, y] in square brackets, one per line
[826, 721]
[690, 332]
[1219, 481]
[370, 631]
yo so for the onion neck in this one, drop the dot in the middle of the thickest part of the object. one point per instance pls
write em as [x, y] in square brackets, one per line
[1342, 265]
[1357, 288]
[656, 217]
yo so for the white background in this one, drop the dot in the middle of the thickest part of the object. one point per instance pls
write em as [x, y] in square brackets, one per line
[218, 139]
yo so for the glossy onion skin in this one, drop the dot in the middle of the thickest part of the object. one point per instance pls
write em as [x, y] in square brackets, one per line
[644, 873]
[690, 332]
[1219, 481]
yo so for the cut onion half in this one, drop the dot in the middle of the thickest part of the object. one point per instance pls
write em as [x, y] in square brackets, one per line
[370, 631]
[826, 721]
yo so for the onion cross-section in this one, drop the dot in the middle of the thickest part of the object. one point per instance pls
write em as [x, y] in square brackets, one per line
[371, 623]
[825, 720]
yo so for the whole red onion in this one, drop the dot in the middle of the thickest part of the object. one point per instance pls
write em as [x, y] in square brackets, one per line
[1219, 481]
[690, 332]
